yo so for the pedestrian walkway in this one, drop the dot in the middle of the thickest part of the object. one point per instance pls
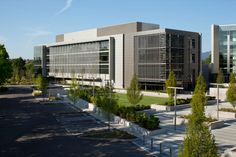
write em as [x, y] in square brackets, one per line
[225, 137]
[171, 140]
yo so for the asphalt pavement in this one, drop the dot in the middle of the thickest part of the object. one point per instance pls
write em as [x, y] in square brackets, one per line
[33, 129]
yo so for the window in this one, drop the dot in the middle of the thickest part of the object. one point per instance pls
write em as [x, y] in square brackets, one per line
[193, 44]
[193, 58]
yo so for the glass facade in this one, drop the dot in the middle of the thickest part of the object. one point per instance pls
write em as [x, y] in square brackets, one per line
[157, 54]
[40, 60]
[227, 48]
[80, 58]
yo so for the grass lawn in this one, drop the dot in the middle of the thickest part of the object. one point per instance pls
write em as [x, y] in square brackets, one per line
[147, 100]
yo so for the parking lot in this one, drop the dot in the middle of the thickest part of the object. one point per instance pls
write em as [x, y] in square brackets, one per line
[31, 128]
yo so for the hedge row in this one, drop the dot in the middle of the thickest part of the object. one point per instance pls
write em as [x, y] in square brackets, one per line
[127, 112]
[184, 101]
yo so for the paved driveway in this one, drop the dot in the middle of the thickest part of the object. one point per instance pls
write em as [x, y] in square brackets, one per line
[29, 128]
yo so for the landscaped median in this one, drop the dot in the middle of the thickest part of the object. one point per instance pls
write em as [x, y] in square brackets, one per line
[212, 123]
[148, 125]
[180, 104]
[228, 113]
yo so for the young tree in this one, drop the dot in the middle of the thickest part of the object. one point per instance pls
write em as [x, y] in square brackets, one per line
[74, 91]
[231, 92]
[108, 101]
[42, 84]
[18, 65]
[5, 65]
[29, 67]
[133, 92]
[171, 82]
[198, 141]
[220, 77]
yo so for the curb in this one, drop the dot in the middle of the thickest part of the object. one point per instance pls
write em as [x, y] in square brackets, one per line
[106, 139]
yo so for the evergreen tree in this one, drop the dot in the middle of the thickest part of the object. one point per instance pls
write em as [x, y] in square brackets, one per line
[231, 92]
[108, 101]
[198, 141]
[42, 84]
[74, 91]
[29, 70]
[220, 77]
[171, 82]
[5, 65]
[133, 92]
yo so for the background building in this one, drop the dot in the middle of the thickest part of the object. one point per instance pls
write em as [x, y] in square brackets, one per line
[223, 48]
[118, 52]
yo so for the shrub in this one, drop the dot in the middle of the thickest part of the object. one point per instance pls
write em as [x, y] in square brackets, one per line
[178, 102]
[210, 97]
[206, 119]
[37, 93]
[228, 110]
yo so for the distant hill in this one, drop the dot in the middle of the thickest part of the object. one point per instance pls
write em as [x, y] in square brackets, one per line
[205, 54]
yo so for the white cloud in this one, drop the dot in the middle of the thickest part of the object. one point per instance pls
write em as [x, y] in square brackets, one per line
[67, 6]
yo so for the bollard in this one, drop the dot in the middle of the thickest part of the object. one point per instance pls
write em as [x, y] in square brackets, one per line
[151, 144]
[143, 139]
[170, 151]
[160, 148]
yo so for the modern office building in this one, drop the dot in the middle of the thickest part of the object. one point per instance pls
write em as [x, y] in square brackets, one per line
[118, 52]
[223, 48]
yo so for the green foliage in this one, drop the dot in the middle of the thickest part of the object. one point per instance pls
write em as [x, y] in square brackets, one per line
[171, 82]
[231, 92]
[18, 65]
[207, 60]
[130, 113]
[133, 92]
[74, 91]
[102, 99]
[220, 77]
[198, 141]
[178, 102]
[29, 70]
[228, 110]
[42, 84]
[5, 65]
[146, 101]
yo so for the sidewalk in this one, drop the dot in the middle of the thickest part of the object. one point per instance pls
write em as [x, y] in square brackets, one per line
[170, 141]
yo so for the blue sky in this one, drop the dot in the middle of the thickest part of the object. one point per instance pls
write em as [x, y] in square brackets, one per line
[25, 23]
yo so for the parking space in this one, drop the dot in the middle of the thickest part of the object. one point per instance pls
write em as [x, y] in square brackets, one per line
[79, 122]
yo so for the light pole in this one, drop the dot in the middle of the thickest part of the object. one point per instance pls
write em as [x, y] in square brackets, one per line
[175, 98]
[217, 100]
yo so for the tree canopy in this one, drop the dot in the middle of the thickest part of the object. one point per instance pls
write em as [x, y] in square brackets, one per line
[42, 84]
[5, 65]
[171, 82]
[220, 77]
[74, 91]
[231, 92]
[133, 91]
[199, 140]
[18, 66]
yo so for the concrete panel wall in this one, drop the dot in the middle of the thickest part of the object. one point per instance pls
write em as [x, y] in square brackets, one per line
[60, 38]
[126, 28]
[215, 48]
[117, 29]
[147, 26]
[119, 63]
[128, 59]
[81, 35]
